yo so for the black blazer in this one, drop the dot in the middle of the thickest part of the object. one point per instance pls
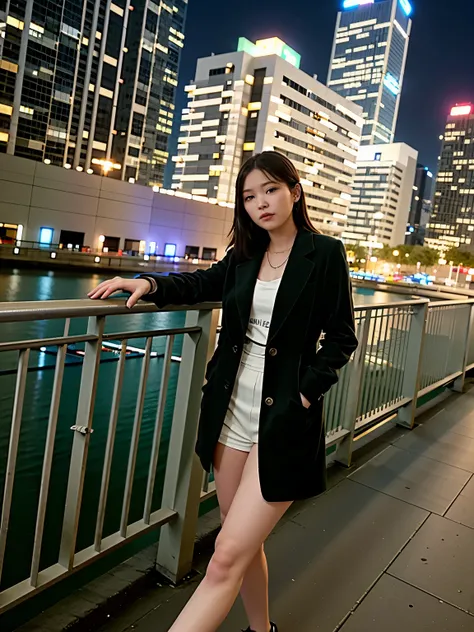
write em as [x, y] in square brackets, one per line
[314, 296]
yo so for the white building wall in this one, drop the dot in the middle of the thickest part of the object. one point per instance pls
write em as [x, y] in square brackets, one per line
[327, 178]
[35, 195]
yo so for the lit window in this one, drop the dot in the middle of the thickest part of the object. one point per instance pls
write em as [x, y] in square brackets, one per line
[46, 235]
[170, 250]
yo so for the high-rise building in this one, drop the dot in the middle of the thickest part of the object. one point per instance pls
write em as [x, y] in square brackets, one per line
[382, 194]
[256, 99]
[421, 206]
[368, 61]
[452, 220]
[90, 84]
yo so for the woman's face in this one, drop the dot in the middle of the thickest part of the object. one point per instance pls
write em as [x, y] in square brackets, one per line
[269, 202]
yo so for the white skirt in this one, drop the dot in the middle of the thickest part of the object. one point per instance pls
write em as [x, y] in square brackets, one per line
[240, 429]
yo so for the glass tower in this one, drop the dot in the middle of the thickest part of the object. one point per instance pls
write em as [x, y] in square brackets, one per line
[91, 84]
[452, 221]
[368, 61]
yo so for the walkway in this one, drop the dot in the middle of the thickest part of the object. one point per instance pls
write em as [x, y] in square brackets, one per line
[390, 547]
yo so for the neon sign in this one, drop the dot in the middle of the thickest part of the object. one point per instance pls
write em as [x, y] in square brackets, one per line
[461, 110]
[406, 6]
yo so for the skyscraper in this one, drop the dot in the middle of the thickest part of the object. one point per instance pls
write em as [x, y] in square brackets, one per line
[90, 84]
[368, 61]
[421, 206]
[257, 98]
[381, 197]
[452, 220]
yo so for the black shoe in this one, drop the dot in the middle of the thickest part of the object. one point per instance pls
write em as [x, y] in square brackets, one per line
[273, 628]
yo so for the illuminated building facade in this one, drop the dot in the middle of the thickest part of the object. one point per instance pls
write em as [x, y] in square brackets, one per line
[452, 220]
[91, 84]
[256, 99]
[382, 194]
[368, 61]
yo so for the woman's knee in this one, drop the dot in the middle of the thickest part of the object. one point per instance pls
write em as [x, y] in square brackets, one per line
[226, 561]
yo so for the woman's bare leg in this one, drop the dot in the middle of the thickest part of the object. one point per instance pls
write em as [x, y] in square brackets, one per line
[228, 468]
[248, 523]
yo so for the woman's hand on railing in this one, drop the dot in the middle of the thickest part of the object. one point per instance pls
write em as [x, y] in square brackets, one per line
[136, 287]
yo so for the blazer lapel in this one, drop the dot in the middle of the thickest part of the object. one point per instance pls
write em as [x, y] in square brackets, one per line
[296, 275]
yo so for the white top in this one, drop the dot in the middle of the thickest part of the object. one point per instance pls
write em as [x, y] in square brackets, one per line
[262, 309]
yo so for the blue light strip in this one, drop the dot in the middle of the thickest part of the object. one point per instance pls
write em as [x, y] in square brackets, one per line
[406, 6]
[391, 84]
[350, 4]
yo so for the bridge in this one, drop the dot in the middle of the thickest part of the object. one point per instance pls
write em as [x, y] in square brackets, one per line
[390, 544]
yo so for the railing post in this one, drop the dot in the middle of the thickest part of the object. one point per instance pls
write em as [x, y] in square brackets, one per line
[412, 370]
[183, 478]
[458, 384]
[80, 445]
[344, 450]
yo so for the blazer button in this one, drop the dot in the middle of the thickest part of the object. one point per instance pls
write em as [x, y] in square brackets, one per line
[269, 401]
[235, 348]
[273, 352]
[226, 385]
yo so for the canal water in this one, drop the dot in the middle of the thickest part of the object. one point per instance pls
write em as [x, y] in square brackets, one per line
[30, 285]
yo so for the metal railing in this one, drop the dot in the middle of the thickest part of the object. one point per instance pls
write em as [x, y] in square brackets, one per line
[406, 349]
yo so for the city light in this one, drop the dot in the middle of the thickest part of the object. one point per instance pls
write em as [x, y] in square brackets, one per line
[270, 46]
[46, 235]
[97, 260]
[391, 84]
[350, 4]
[406, 6]
[461, 110]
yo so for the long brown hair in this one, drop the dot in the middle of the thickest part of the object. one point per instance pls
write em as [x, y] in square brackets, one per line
[246, 237]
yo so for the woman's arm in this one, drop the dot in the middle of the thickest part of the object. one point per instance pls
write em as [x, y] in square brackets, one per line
[339, 341]
[188, 288]
[185, 288]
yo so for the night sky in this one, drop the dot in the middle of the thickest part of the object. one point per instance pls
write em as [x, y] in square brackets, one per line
[440, 65]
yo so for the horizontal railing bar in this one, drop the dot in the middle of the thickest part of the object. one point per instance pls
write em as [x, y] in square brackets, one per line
[45, 342]
[66, 340]
[439, 383]
[83, 308]
[22, 591]
[114, 541]
[374, 417]
[153, 333]
[379, 306]
[454, 302]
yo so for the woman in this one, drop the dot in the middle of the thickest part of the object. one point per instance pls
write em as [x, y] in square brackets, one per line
[261, 426]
